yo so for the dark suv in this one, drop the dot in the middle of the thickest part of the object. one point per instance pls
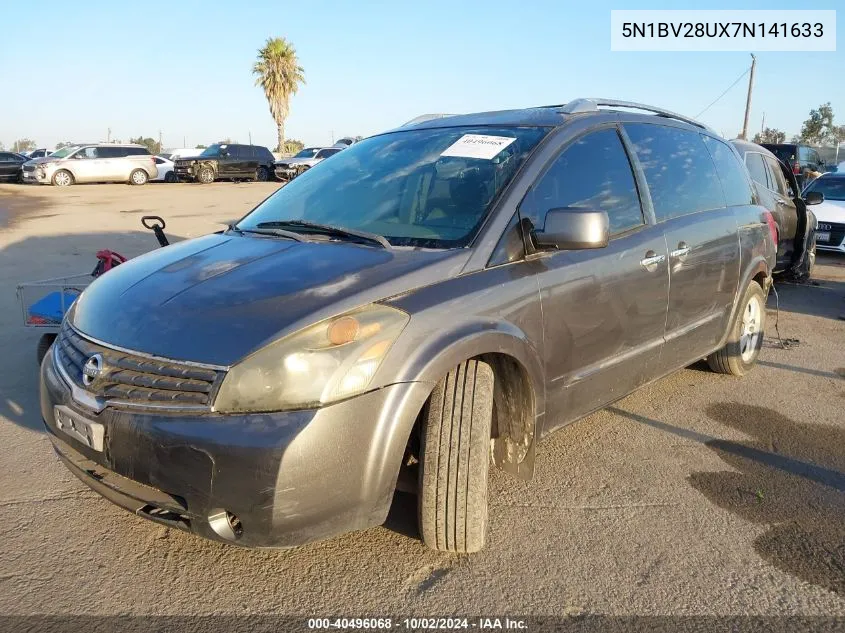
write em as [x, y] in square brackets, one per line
[429, 300]
[778, 191]
[226, 161]
[802, 159]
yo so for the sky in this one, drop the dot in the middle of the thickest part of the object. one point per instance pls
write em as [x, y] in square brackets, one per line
[184, 68]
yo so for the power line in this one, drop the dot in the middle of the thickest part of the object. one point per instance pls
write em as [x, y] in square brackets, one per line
[745, 72]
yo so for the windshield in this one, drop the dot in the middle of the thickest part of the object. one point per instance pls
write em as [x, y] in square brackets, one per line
[427, 188]
[786, 153]
[832, 188]
[64, 152]
[307, 153]
[211, 150]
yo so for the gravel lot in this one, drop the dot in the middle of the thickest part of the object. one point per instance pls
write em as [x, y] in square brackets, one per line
[700, 494]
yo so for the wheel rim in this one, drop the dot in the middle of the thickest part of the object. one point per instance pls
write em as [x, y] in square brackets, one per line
[751, 328]
[205, 175]
[62, 179]
[261, 175]
[138, 178]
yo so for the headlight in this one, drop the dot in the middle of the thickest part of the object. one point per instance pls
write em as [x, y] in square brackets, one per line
[325, 362]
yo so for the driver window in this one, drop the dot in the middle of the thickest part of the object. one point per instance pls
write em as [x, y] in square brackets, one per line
[86, 152]
[591, 173]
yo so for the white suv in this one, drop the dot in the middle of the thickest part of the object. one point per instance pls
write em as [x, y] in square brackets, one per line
[95, 162]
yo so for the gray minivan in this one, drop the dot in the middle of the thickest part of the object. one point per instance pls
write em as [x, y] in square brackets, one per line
[429, 301]
[93, 162]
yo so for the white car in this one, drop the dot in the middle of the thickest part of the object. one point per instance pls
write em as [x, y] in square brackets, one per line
[181, 152]
[830, 233]
[165, 170]
[289, 168]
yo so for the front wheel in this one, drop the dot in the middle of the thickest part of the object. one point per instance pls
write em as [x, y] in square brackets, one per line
[44, 344]
[455, 459]
[261, 174]
[62, 178]
[205, 175]
[138, 177]
[740, 353]
[170, 177]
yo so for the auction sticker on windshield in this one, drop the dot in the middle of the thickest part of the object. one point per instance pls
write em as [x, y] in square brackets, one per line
[478, 146]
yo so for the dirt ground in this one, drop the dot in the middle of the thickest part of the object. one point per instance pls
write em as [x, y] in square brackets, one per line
[701, 494]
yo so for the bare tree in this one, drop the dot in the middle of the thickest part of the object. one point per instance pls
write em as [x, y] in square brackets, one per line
[769, 135]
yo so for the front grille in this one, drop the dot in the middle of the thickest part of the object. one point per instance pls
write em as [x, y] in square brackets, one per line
[134, 379]
[29, 167]
[837, 233]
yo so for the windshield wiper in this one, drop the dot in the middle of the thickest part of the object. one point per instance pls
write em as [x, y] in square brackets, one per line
[336, 231]
[269, 231]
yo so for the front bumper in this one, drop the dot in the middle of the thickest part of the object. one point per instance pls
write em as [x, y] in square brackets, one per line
[37, 176]
[289, 477]
[831, 247]
[285, 173]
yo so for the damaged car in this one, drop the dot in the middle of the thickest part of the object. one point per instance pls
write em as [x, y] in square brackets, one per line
[433, 300]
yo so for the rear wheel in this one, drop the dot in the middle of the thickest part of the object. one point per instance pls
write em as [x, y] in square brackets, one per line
[138, 177]
[455, 459]
[740, 353]
[62, 178]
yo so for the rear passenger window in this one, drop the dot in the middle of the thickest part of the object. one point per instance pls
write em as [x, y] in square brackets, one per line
[731, 173]
[776, 174]
[757, 169]
[111, 152]
[137, 151]
[592, 173]
[680, 174]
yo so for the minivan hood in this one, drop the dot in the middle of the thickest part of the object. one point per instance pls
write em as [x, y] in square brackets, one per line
[217, 298]
[43, 159]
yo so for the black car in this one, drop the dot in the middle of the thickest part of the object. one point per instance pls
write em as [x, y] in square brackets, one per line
[11, 166]
[801, 159]
[778, 191]
[226, 161]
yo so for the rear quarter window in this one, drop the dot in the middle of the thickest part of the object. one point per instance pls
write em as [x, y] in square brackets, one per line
[680, 174]
[731, 172]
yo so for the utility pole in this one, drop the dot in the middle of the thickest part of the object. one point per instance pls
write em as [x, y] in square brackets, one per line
[183, 141]
[332, 137]
[108, 138]
[744, 135]
[763, 124]
[159, 142]
[250, 137]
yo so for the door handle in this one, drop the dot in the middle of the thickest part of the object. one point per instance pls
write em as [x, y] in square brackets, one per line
[651, 260]
[681, 251]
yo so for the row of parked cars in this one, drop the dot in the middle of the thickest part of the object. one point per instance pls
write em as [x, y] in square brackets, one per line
[134, 164]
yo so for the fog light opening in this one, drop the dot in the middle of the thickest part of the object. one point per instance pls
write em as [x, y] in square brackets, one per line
[225, 524]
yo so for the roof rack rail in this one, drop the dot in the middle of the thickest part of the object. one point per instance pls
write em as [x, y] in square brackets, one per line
[592, 105]
[425, 117]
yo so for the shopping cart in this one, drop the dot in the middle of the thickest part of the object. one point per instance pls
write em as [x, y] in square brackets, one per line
[45, 303]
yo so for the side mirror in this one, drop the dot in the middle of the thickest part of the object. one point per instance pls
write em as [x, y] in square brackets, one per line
[813, 197]
[571, 228]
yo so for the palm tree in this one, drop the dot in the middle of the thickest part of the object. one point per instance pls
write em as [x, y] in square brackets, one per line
[278, 72]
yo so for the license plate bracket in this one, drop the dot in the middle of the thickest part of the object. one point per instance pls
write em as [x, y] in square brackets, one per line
[88, 432]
